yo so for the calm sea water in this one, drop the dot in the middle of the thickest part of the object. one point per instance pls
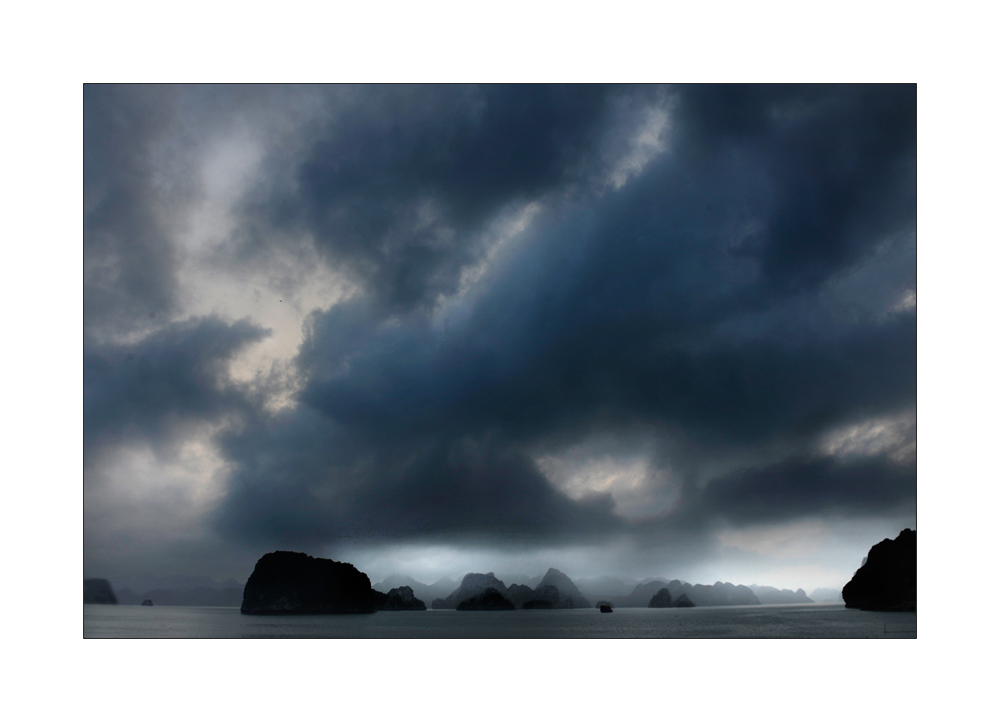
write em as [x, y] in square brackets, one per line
[765, 621]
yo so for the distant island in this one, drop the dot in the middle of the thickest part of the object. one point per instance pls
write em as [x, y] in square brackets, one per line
[400, 599]
[887, 579]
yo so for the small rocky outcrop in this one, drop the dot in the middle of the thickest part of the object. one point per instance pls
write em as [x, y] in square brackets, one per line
[98, 591]
[146, 603]
[683, 601]
[489, 600]
[660, 599]
[401, 599]
[888, 579]
[295, 583]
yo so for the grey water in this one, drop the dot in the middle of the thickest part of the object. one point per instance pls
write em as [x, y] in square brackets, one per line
[784, 621]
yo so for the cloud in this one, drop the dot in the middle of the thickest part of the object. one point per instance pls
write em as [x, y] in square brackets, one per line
[840, 161]
[563, 315]
[802, 487]
[635, 311]
[175, 375]
[130, 205]
[399, 183]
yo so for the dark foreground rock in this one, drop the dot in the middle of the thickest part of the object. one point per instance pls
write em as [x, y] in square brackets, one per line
[400, 599]
[888, 580]
[489, 600]
[660, 599]
[98, 591]
[146, 603]
[683, 601]
[296, 583]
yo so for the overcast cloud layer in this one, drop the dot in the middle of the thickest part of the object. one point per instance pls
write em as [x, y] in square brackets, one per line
[434, 330]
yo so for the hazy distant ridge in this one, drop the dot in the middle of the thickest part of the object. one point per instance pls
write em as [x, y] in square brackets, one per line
[771, 595]
[621, 593]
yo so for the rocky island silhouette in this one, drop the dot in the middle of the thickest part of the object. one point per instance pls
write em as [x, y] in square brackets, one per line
[400, 599]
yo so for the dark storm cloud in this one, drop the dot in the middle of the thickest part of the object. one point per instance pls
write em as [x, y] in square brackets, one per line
[308, 481]
[841, 161]
[709, 300]
[399, 185]
[175, 375]
[810, 487]
[130, 164]
[555, 371]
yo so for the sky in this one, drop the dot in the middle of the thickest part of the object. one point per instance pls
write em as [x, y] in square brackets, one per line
[618, 330]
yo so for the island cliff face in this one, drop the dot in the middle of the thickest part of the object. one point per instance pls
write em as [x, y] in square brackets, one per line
[296, 583]
[888, 579]
[98, 591]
